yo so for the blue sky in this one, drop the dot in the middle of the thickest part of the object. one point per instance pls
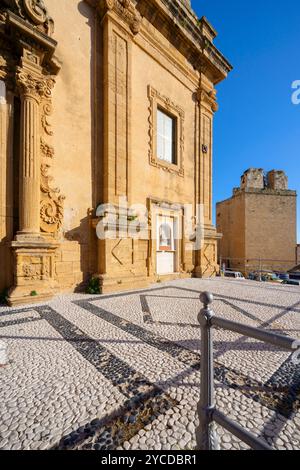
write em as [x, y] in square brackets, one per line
[257, 124]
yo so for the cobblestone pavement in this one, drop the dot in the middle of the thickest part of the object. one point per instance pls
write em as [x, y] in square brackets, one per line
[122, 371]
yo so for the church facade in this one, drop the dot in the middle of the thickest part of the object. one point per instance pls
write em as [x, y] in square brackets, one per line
[106, 107]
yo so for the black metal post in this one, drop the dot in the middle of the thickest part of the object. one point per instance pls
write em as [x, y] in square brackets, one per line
[205, 435]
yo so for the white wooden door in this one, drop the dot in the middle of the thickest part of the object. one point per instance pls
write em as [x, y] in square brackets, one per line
[166, 250]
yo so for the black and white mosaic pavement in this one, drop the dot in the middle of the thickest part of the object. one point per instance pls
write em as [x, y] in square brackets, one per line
[122, 371]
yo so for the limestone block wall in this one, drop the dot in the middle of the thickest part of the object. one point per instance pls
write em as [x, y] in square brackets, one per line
[271, 227]
[72, 123]
[231, 223]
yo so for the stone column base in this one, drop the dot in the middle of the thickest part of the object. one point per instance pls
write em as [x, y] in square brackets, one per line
[207, 258]
[34, 271]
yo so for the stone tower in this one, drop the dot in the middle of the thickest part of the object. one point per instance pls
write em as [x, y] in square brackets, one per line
[258, 223]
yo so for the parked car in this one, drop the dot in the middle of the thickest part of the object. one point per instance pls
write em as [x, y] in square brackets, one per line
[271, 277]
[264, 277]
[295, 276]
[234, 274]
[291, 283]
[283, 276]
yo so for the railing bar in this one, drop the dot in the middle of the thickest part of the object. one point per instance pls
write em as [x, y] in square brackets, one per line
[242, 434]
[261, 335]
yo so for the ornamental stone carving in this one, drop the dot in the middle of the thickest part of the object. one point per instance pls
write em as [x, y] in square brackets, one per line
[33, 11]
[31, 271]
[125, 9]
[36, 10]
[36, 87]
[210, 98]
[52, 204]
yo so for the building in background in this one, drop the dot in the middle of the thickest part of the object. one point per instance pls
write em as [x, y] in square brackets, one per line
[100, 100]
[298, 254]
[258, 223]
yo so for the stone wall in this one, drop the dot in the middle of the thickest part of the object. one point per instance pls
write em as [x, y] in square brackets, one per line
[298, 254]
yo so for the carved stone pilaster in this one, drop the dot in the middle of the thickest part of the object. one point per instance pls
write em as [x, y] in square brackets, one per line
[206, 264]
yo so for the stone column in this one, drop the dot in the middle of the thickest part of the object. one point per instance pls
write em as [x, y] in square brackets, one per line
[30, 165]
[34, 252]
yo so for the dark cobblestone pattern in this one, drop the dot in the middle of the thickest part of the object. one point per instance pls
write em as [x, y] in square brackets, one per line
[147, 401]
[174, 350]
[129, 382]
[110, 433]
[283, 401]
[18, 322]
[158, 412]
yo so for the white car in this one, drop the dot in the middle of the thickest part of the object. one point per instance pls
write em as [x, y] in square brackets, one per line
[234, 275]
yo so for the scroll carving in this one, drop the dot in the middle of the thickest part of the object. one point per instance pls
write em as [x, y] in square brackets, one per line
[52, 203]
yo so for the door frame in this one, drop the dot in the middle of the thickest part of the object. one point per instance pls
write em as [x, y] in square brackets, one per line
[177, 215]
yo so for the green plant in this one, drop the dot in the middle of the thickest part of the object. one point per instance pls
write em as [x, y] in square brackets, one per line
[33, 293]
[93, 287]
[3, 297]
[132, 218]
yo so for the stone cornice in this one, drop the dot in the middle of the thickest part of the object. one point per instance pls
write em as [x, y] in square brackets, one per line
[178, 23]
[19, 30]
[193, 37]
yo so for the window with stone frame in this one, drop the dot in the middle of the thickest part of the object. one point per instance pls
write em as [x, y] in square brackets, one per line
[166, 137]
[166, 150]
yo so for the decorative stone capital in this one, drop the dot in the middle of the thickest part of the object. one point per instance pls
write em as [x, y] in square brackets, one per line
[210, 98]
[125, 9]
[34, 87]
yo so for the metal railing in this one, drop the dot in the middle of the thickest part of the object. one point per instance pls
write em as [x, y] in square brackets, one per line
[206, 435]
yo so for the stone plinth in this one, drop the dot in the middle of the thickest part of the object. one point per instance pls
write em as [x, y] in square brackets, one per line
[34, 276]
